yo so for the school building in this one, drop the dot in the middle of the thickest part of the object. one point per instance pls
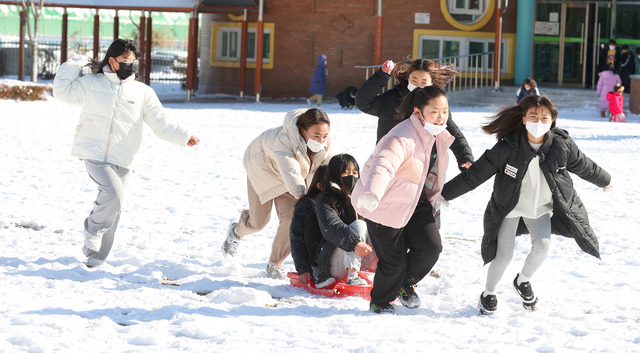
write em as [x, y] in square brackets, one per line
[554, 41]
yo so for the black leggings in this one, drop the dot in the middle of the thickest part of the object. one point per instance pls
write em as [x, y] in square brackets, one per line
[396, 265]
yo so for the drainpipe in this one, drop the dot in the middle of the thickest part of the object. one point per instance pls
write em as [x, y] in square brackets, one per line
[243, 53]
[259, 49]
[498, 44]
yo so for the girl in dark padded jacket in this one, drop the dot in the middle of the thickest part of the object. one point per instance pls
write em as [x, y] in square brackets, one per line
[410, 75]
[344, 236]
[532, 192]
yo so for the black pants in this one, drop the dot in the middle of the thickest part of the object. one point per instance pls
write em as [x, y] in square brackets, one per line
[405, 255]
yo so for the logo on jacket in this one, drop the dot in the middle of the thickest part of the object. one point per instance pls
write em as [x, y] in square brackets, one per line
[511, 171]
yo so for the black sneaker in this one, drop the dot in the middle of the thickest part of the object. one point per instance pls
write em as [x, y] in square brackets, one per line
[382, 308]
[525, 291]
[488, 304]
[408, 297]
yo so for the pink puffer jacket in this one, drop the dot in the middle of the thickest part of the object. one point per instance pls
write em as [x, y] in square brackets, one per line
[396, 172]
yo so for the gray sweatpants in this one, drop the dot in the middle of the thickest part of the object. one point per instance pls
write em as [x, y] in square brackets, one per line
[540, 232]
[105, 215]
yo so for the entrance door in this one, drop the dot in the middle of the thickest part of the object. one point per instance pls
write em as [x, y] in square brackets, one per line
[565, 43]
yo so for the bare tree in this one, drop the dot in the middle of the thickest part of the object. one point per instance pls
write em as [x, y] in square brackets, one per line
[35, 8]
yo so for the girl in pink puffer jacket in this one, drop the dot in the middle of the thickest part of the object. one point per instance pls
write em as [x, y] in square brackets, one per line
[397, 194]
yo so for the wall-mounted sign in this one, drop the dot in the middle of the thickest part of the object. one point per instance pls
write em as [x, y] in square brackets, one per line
[547, 28]
[422, 18]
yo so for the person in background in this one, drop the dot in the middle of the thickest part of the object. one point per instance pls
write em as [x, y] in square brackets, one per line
[280, 163]
[115, 108]
[608, 79]
[627, 68]
[610, 56]
[397, 194]
[347, 98]
[529, 87]
[532, 193]
[410, 74]
[318, 84]
[616, 104]
[636, 58]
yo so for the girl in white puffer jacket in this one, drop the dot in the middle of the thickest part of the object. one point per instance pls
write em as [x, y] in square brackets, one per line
[109, 132]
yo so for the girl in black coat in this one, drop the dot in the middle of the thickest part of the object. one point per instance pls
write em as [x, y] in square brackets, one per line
[410, 75]
[344, 236]
[532, 192]
[304, 232]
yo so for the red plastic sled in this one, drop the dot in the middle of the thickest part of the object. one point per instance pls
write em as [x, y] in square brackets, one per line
[339, 289]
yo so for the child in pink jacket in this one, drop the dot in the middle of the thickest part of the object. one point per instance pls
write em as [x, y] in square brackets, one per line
[616, 104]
[397, 195]
[608, 78]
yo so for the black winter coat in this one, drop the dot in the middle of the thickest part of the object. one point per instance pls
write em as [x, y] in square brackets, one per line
[334, 227]
[385, 106]
[558, 155]
[304, 225]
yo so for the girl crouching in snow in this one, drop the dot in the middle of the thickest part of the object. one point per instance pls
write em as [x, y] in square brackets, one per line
[532, 192]
[397, 195]
[344, 236]
[304, 232]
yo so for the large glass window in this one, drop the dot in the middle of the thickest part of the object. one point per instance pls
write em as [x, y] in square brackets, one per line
[628, 21]
[467, 11]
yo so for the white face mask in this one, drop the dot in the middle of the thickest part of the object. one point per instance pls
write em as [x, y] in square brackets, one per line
[314, 145]
[434, 129]
[537, 129]
[411, 86]
[612, 47]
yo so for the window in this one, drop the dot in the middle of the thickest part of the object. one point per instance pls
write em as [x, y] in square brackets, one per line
[434, 47]
[229, 44]
[467, 7]
[226, 41]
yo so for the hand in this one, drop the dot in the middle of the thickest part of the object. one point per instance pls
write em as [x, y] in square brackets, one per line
[305, 277]
[388, 66]
[368, 201]
[78, 59]
[363, 249]
[441, 202]
[465, 165]
[607, 188]
[193, 140]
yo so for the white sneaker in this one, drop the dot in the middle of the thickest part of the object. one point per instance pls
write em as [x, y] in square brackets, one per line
[275, 272]
[92, 241]
[354, 280]
[230, 245]
[92, 262]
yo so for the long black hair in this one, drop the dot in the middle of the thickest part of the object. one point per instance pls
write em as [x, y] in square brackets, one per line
[441, 74]
[340, 200]
[509, 119]
[418, 98]
[118, 47]
[314, 190]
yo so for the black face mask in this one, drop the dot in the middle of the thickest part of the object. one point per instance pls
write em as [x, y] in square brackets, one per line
[350, 181]
[125, 70]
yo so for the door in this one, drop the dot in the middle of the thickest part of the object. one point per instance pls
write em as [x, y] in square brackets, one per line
[565, 40]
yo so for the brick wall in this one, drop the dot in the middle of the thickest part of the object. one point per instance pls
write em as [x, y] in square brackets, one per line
[344, 30]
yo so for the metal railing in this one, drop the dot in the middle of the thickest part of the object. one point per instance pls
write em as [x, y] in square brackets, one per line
[476, 70]
[167, 65]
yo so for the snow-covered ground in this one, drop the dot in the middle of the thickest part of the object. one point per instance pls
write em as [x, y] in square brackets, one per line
[167, 287]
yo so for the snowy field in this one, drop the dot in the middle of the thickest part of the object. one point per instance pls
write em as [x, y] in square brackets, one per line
[167, 287]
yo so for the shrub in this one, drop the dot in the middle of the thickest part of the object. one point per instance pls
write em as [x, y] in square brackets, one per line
[23, 91]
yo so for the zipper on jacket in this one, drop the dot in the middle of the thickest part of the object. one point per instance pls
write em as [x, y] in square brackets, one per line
[113, 115]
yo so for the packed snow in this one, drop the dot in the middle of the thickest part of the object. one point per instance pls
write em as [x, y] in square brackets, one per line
[166, 285]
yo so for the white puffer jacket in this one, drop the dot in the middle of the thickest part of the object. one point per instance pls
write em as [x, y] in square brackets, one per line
[277, 161]
[110, 125]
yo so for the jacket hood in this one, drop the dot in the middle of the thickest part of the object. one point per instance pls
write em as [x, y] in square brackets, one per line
[606, 74]
[321, 59]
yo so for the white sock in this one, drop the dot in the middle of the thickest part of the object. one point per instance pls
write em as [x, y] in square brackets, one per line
[488, 292]
[522, 279]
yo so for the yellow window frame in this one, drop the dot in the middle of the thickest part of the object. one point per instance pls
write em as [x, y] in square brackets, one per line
[233, 63]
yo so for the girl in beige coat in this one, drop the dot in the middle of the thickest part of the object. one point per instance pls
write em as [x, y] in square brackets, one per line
[280, 164]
